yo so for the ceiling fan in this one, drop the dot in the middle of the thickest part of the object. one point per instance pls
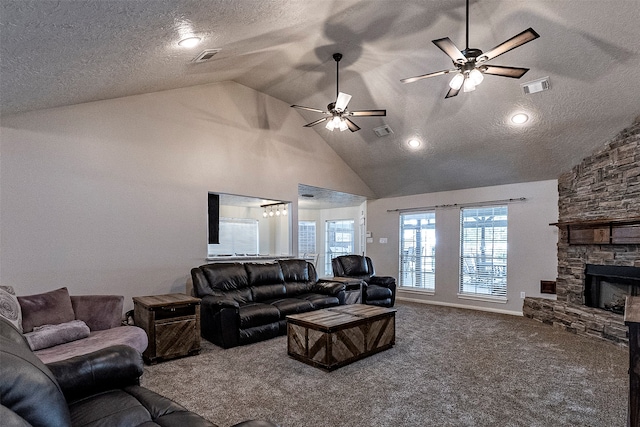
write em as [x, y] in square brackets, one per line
[470, 62]
[337, 115]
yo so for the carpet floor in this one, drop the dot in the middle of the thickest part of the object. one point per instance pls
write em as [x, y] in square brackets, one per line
[449, 367]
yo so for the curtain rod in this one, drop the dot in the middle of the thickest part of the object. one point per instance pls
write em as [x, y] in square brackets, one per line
[459, 205]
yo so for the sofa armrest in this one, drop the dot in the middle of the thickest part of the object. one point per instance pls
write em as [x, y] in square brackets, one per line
[218, 302]
[220, 320]
[386, 281]
[99, 312]
[328, 287]
[113, 367]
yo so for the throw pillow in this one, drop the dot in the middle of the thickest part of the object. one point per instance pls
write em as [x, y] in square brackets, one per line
[49, 308]
[9, 306]
[49, 335]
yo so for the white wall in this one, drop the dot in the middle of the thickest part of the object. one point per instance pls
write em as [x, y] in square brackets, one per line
[110, 197]
[532, 253]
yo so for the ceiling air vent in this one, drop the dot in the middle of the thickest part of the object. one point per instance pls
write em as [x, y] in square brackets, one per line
[382, 131]
[536, 86]
[206, 55]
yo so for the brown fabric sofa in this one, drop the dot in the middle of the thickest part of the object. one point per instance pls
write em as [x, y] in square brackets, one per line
[63, 338]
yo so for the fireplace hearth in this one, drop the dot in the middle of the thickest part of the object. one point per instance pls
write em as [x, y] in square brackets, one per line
[607, 286]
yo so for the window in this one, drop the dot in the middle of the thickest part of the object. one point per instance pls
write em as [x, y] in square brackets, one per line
[306, 237]
[417, 250]
[340, 237]
[237, 236]
[483, 249]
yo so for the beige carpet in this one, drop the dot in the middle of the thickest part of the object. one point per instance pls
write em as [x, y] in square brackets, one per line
[449, 367]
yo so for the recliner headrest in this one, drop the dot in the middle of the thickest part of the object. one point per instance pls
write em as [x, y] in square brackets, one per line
[354, 265]
[295, 270]
[226, 276]
[264, 274]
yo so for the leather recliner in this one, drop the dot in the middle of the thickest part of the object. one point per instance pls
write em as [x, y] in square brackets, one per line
[377, 290]
[98, 388]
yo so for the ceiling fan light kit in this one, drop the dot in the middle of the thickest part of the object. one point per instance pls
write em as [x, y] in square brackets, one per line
[470, 62]
[337, 115]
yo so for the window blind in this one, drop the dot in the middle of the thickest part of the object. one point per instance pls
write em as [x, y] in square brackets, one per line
[417, 250]
[483, 249]
[237, 236]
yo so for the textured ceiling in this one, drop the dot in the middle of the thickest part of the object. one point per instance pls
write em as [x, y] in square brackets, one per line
[55, 53]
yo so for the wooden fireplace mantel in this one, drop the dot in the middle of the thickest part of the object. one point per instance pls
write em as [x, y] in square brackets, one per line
[624, 231]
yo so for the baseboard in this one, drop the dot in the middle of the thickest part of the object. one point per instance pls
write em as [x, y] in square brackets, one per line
[468, 307]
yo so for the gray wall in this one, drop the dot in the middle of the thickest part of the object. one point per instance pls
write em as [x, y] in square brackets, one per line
[111, 197]
[531, 241]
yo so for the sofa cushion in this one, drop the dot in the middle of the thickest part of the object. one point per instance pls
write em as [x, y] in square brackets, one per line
[9, 306]
[114, 407]
[320, 301]
[49, 308]
[99, 312]
[241, 296]
[354, 265]
[297, 288]
[295, 270]
[49, 335]
[289, 306]
[132, 336]
[268, 292]
[226, 276]
[264, 274]
[257, 314]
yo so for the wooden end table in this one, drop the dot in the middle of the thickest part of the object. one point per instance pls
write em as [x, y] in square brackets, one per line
[172, 324]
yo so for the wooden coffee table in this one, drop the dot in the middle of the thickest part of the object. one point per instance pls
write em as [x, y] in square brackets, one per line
[337, 336]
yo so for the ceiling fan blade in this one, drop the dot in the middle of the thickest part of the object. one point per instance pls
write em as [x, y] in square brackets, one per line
[352, 126]
[308, 125]
[342, 101]
[307, 108]
[448, 47]
[452, 92]
[424, 76]
[498, 70]
[367, 113]
[518, 40]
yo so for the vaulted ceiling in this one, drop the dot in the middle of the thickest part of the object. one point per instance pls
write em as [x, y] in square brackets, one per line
[55, 53]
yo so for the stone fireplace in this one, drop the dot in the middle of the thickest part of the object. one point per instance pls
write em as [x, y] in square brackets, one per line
[599, 240]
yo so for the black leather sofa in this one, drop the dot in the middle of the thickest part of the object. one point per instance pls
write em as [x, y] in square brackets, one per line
[243, 303]
[97, 389]
[376, 290]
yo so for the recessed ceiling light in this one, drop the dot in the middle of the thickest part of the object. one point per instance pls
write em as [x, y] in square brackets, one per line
[189, 42]
[519, 118]
[413, 143]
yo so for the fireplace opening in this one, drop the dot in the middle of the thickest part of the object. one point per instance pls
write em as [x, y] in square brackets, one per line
[607, 286]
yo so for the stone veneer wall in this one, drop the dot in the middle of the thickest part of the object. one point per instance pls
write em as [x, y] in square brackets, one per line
[604, 185]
